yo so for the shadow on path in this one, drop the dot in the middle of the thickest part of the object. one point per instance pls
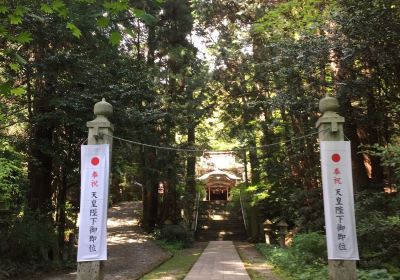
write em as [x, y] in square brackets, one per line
[131, 253]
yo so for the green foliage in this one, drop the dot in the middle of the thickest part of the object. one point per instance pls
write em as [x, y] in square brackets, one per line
[115, 7]
[178, 266]
[171, 246]
[103, 22]
[309, 247]
[378, 213]
[115, 38]
[252, 194]
[390, 158]
[75, 30]
[12, 176]
[31, 238]
[18, 91]
[306, 259]
[300, 261]
[375, 274]
[24, 37]
[295, 18]
[145, 17]
[175, 233]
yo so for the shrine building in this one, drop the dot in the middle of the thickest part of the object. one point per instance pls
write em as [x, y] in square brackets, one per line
[220, 172]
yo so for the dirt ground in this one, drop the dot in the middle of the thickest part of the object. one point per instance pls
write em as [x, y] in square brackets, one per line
[131, 253]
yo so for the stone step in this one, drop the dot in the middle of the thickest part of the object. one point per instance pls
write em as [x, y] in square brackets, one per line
[213, 202]
[219, 222]
[221, 212]
[204, 235]
[219, 217]
[233, 227]
[219, 233]
[213, 209]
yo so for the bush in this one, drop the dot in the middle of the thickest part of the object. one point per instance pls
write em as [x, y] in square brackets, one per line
[306, 259]
[289, 263]
[375, 274]
[175, 233]
[12, 177]
[378, 230]
[309, 248]
[31, 239]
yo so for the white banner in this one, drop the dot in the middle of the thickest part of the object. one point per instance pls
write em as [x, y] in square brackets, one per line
[95, 166]
[337, 181]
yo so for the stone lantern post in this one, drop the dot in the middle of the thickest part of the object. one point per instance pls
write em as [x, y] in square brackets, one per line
[267, 231]
[282, 225]
[99, 128]
[330, 128]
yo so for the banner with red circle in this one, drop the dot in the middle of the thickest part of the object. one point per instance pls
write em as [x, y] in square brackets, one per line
[95, 172]
[337, 182]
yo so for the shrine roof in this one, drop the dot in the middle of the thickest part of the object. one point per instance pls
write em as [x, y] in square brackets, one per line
[217, 173]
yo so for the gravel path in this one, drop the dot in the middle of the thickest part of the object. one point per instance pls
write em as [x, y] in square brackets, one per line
[131, 253]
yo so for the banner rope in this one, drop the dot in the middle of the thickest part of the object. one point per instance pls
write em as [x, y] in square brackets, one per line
[205, 150]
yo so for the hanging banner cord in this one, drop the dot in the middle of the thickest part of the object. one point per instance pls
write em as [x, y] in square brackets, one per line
[204, 150]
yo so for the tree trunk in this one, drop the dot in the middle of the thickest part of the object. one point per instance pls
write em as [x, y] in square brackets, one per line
[150, 190]
[61, 203]
[40, 163]
[190, 175]
[374, 138]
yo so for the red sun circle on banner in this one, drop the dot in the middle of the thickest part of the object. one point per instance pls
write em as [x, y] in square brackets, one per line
[95, 161]
[336, 157]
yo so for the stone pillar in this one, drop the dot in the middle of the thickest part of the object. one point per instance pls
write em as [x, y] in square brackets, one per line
[330, 128]
[267, 231]
[99, 128]
[283, 226]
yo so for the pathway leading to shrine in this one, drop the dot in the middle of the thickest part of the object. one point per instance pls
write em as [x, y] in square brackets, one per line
[131, 252]
[218, 261]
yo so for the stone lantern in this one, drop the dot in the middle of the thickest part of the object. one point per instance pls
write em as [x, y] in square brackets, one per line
[282, 225]
[267, 231]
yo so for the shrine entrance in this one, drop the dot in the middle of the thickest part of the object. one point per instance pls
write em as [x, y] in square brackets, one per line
[219, 172]
[218, 194]
[218, 184]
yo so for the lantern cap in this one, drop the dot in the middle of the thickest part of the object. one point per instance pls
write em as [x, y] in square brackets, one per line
[328, 104]
[267, 222]
[282, 223]
[103, 108]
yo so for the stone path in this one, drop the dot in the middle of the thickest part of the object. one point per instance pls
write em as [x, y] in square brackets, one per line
[219, 260]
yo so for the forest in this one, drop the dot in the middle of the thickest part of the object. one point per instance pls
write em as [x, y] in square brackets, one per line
[197, 75]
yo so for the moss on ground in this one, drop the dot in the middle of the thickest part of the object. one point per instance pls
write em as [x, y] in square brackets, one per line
[178, 266]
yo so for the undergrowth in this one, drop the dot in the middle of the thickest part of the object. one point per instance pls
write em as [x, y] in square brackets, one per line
[305, 259]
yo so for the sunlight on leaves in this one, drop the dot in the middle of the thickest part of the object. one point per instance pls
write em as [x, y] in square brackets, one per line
[103, 22]
[46, 8]
[18, 91]
[15, 67]
[115, 38]
[24, 37]
[3, 10]
[75, 30]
